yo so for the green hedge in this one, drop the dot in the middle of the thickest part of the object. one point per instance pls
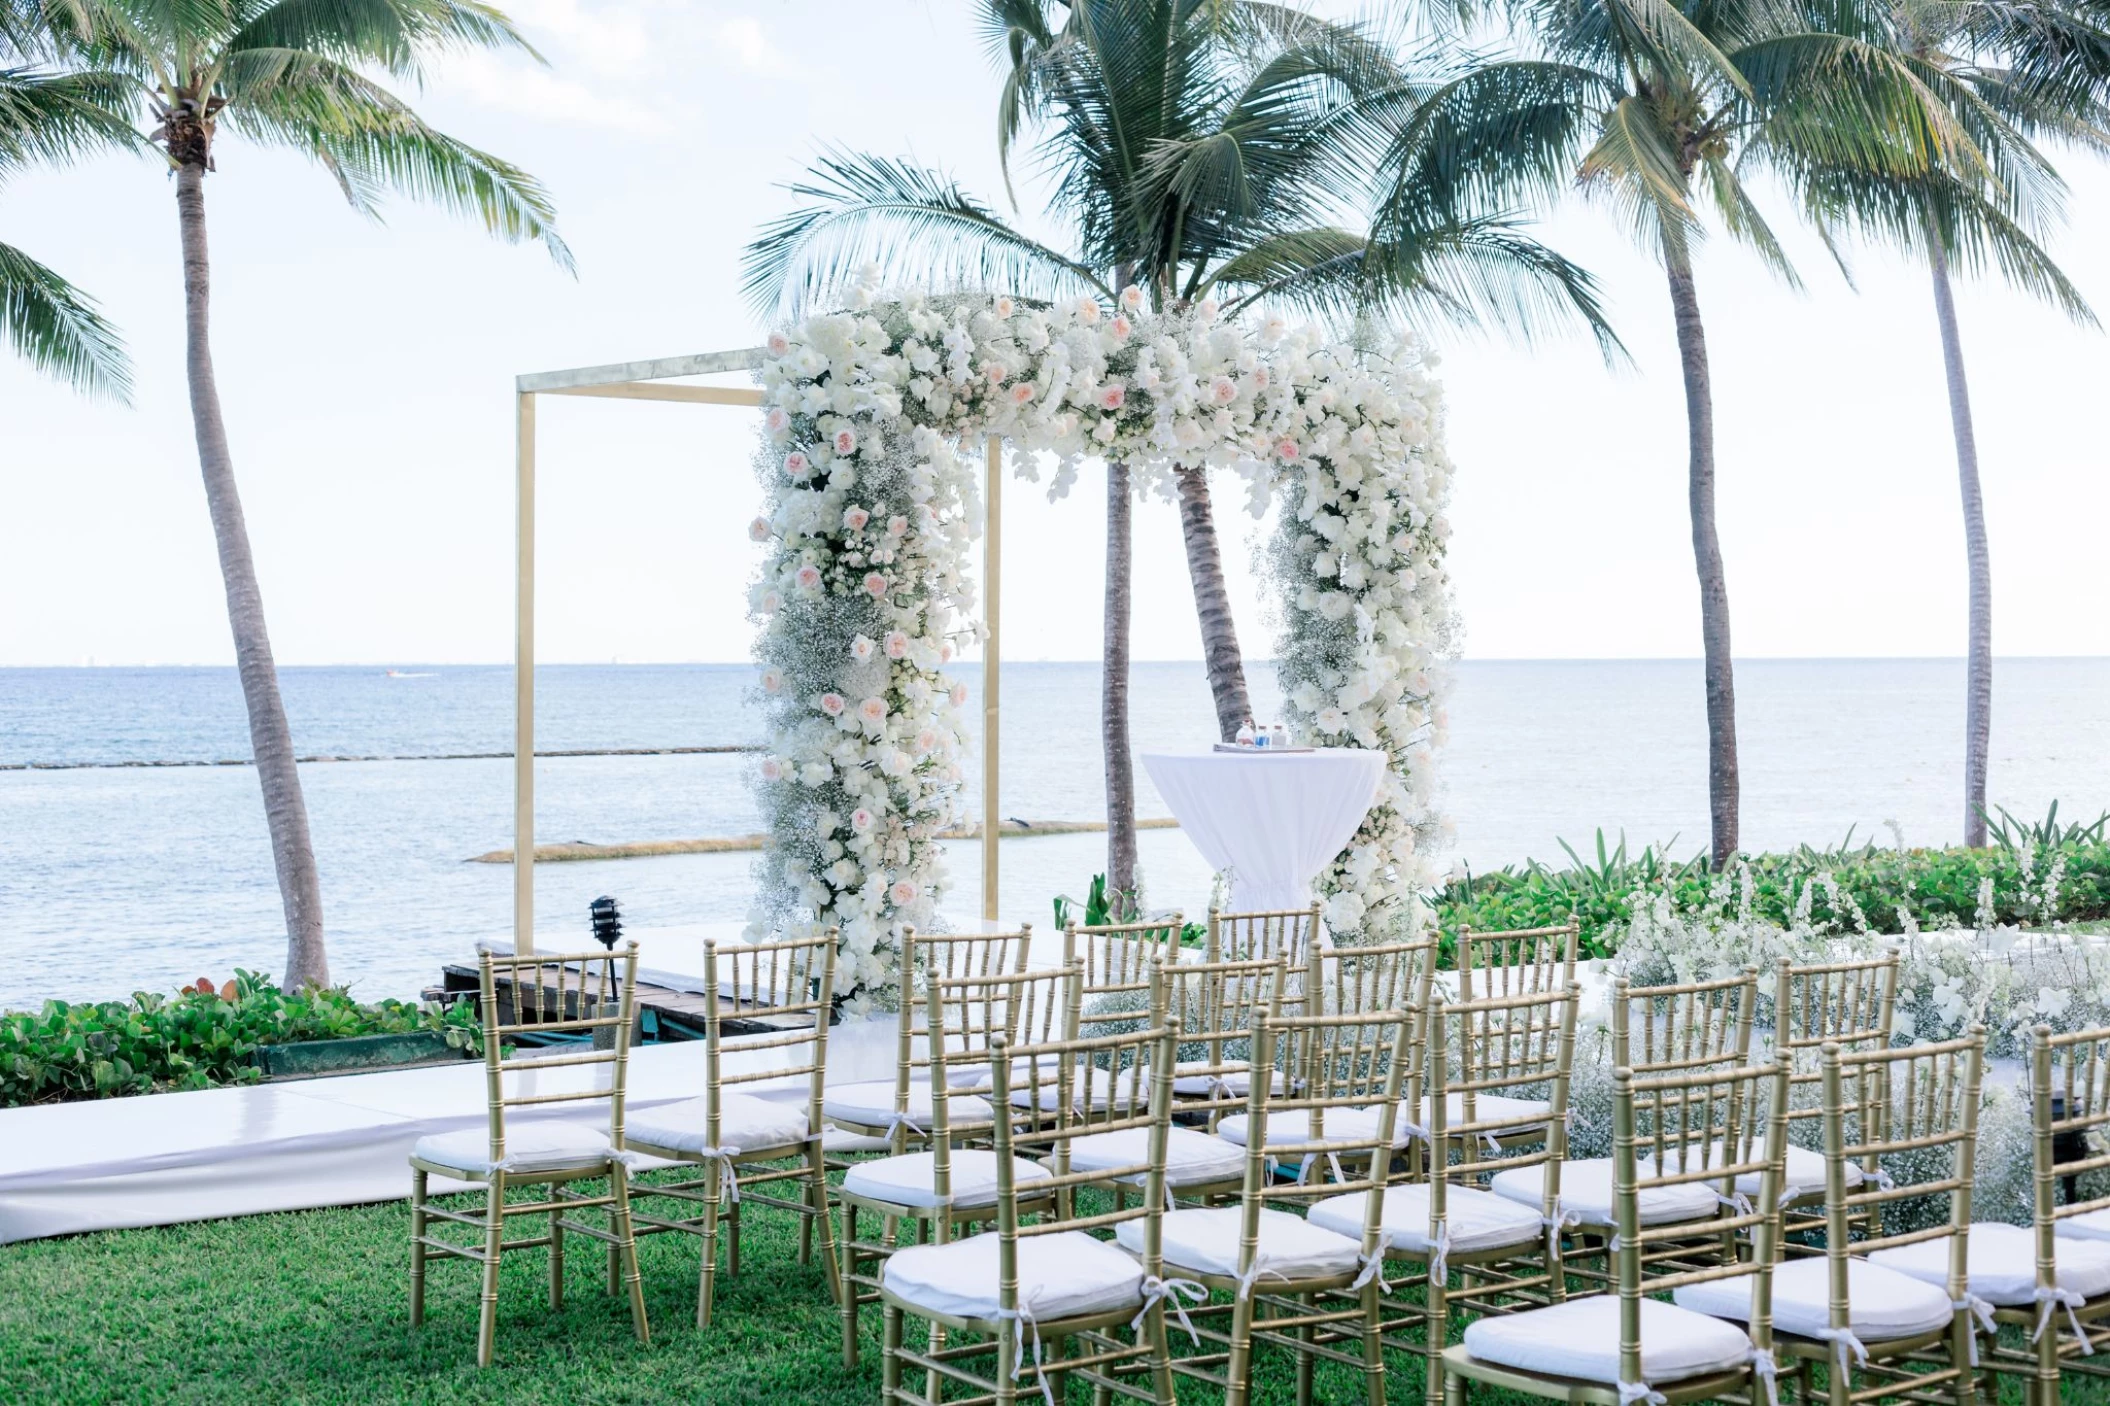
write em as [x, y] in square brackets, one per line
[1938, 888]
[195, 1039]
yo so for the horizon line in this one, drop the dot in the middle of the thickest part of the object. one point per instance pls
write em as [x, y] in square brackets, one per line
[384, 664]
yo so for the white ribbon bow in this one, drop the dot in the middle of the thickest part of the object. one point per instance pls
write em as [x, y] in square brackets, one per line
[1440, 1256]
[732, 1174]
[1631, 1393]
[1247, 1280]
[1373, 1265]
[895, 1122]
[1979, 1309]
[1168, 1292]
[1884, 1181]
[1412, 1131]
[1737, 1202]
[1845, 1344]
[1768, 1371]
[1021, 1319]
[2054, 1298]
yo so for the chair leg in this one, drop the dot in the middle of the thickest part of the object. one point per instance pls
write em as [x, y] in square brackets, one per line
[1454, 1391]
[731, 1216]
[1238, 1371]
[1006, 1369]
[1160, 1358]
[849, 1288]
[707, 1271]
[1436, 1334]
[890, 1366]
[820, 1222]
[1374, 1346]
[418, 1183]
[556, 1254]
[932, 1382]
[1960, 1357]
[1306, 1363]
[626, 1247]
[494, 1236]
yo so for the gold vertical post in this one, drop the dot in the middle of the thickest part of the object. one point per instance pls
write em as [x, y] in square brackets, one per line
[524, 680]
[992, 600]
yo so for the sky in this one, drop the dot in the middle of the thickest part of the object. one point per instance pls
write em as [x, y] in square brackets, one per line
[366, 371]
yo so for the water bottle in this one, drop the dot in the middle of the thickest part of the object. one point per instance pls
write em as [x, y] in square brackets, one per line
[1278, 736]
[1260, 737]
[1245, 733]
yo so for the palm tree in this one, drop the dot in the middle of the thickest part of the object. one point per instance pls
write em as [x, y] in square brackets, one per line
[294, 73]
[1660, 109]
[1199, 149]
[49, 116]
[2012, 72]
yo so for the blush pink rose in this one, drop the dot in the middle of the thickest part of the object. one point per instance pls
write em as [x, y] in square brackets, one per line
[875, 584]
[872, 710]
[832, 704]
[855, 518]
[896, 645]
[846, 441]
[797, 464]
[1113, 397]
[808, 578]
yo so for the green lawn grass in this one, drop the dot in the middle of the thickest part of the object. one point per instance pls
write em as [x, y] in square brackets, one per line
[313, 1307]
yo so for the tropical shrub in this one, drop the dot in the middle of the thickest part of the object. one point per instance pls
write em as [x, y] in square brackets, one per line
[194, 1039]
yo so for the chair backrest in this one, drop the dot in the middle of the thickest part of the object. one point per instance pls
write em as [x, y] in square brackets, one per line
[2069, 1107]
[1877, 1103]
[568, 996]
[971, 1017]
[793, 982]
[1690, 1025]
[1153, 1049]
[1849, 1004]
[1355, 1070]
[1118, 959]
[1704, 1110]
[1519, 962]
[1216, 1004]
[1288, 933]
[928, 958]
[1380, 977]
[1495, 1043]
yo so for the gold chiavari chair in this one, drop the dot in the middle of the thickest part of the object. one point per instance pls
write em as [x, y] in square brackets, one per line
[1849, 1004]
[1628, 1347]
[1340, 1129]
[1505, 1253]
[950, 1185]
[732, 1135]
[1288, 933]
[1518, 962]
[1031, 1291]
[590, 994]
[899, 1109]
[1687, 1027]
[1217, 1004]
[2052, 1279]
[1867, 1309]
[1118, 959]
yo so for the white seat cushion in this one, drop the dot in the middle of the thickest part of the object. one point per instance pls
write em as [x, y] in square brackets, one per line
[1096, 1089]
[1065, 1275]
[1205, 1241]
[1804, 1173]
[530, 1147]
[1475, 1219]
[1881, 1303]
[1293, 1125]
[744, 1122]
[1488, 1108]
[2090, 1225]
[1586, 1194]
[1234, 1081]
[1192, 1157]
[872, 1106]
[2003, 1264]
[911, 1179]
[1580, 1339]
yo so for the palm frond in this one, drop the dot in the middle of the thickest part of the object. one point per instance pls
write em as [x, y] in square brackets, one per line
[56, 328]
[50, 117]
[398, 36]
[912, 221]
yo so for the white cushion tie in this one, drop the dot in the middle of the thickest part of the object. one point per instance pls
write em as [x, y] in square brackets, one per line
[1884, 1181]
[732, 1172]
[1768, 1371]
[1561, 1219]
[2054, 1298]
[1168, 1292]
[1440, 1256]
[1738, 1202]
[1411, 1131]
[1247, 1280]
[1845, 1344]
[1641, 1394]
[1021, 1319]
[1373, 1265]
[895, 1122]
[1979, 1309]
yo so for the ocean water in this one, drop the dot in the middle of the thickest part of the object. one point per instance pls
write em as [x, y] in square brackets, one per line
[119, 878]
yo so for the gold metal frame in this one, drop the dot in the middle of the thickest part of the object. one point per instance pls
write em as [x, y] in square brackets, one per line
[643, 380]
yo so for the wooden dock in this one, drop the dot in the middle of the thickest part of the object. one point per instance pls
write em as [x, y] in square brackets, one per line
[675, 1014]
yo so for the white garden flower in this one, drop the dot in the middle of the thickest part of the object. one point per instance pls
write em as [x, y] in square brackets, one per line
[872, 710]
[772, 680]
[860, 649]
[759, 530]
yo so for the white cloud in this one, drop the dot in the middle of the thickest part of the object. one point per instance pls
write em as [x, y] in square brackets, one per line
[744, 40]
[512, 85]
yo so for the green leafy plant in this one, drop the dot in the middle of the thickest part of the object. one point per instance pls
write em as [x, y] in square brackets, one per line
[195, 1039]
[1097, 908]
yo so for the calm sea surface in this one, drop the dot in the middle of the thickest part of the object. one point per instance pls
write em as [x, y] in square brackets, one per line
[116, 879]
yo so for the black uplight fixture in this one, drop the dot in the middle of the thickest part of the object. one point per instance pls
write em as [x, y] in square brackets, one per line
[607, 922]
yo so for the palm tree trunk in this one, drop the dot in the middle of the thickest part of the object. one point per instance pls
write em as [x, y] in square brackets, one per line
[1978, 667]
[1212, 602]
[299, 887]
[1120, 767]
[1722, 781]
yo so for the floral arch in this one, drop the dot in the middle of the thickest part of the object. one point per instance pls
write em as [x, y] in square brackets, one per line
[871, 509]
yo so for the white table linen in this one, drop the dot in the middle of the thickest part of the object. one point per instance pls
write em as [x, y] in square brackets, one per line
[1274, 821]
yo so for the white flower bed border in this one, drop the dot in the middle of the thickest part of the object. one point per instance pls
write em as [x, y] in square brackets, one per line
[871, 511]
